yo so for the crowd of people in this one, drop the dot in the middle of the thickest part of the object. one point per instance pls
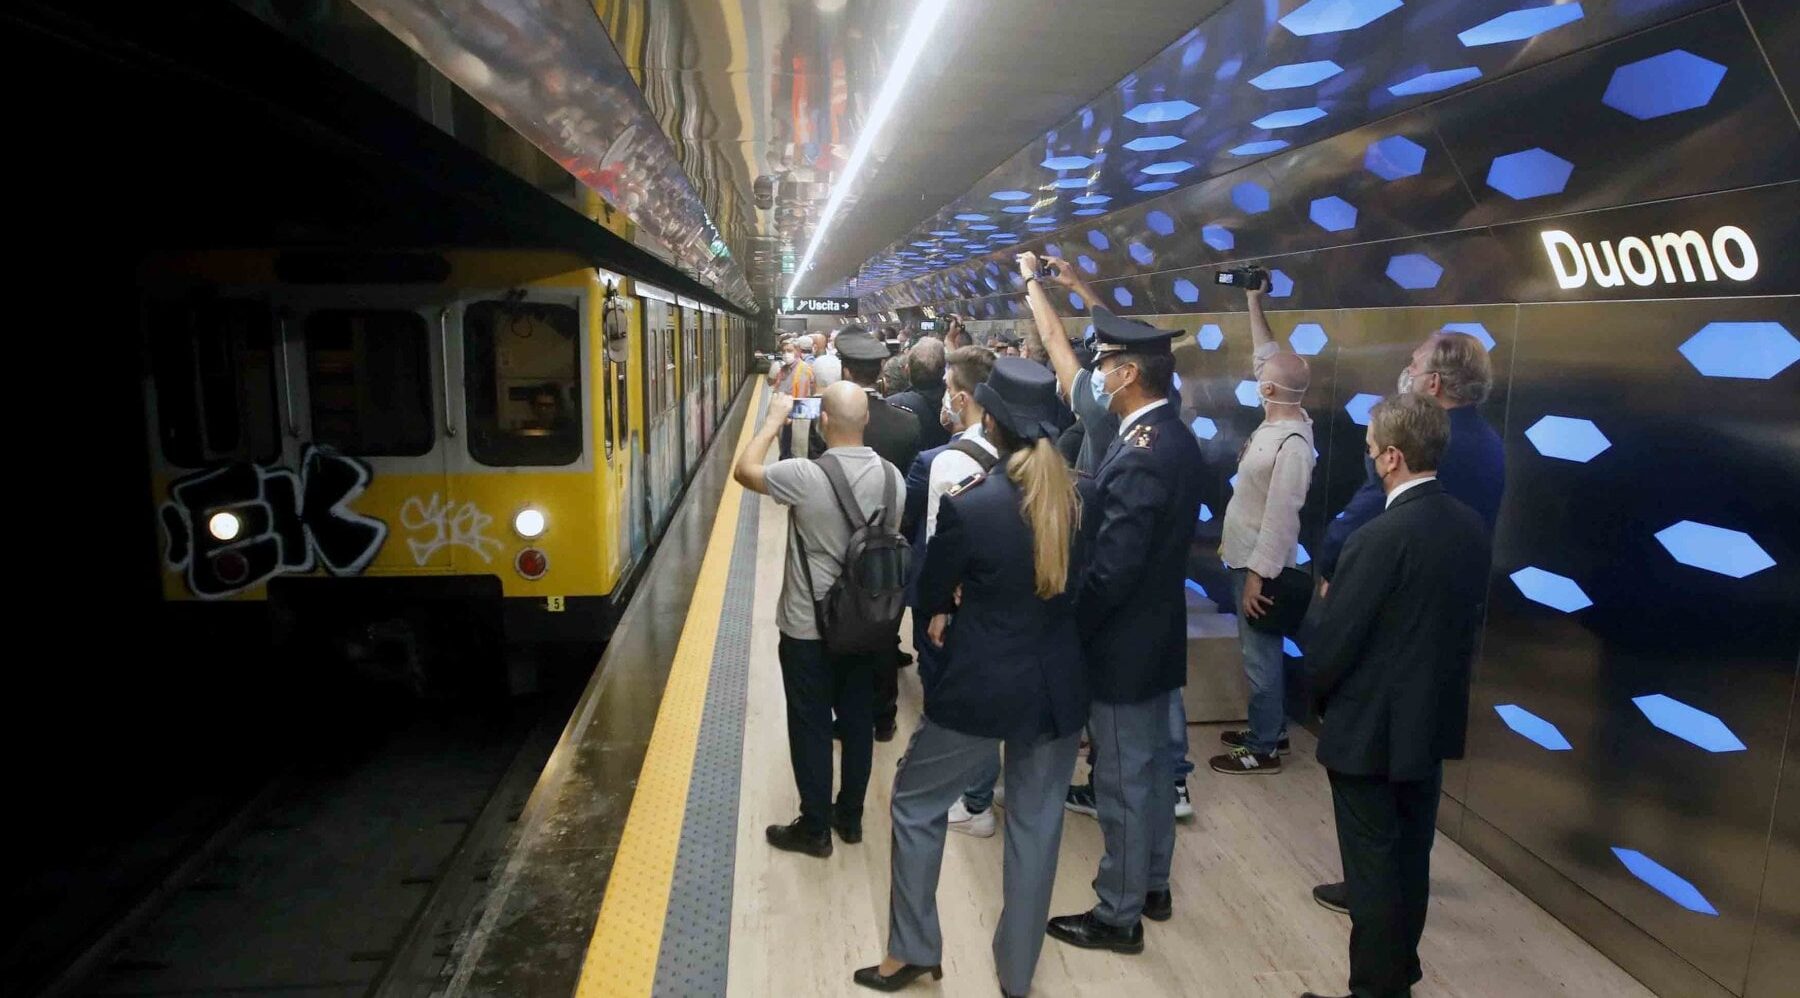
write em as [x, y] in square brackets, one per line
[1034, 506]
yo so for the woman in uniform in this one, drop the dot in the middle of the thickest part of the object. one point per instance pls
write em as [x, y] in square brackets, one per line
[1006, 561]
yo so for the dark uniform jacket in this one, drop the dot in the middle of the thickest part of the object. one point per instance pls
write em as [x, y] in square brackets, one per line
[1133, 605]
[892, 433]
[925, 403]
[1391, 643]
[1013, 665]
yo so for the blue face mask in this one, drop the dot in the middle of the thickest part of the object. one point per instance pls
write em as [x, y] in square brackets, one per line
[1097, 382]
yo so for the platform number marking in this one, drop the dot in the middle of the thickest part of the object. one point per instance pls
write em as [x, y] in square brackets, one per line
[554, 604]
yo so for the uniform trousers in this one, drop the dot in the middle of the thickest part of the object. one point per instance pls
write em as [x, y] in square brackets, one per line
[1134, 788]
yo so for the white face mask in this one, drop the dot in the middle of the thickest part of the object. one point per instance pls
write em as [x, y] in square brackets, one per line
[1406, 381]
[947, 413]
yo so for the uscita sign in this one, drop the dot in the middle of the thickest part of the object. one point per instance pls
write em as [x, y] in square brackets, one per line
[1670, 257]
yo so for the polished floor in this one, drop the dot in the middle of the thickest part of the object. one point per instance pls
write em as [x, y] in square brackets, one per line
[1244, 922]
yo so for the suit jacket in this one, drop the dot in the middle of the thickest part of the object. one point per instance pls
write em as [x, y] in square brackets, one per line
[892, 433]
[1473, 469]
[1133, 607]
[1391, 643]
[924, 404]
[1012, 664]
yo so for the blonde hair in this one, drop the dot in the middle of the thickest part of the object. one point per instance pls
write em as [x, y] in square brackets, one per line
[1051, 507]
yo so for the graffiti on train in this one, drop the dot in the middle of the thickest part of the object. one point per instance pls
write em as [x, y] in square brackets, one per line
[437, 524]
[235, 527]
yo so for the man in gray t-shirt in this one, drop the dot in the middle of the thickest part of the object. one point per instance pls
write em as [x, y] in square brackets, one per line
[816, 681]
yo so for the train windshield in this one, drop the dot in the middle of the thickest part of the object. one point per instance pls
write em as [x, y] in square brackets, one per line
[214, 367]
[369, 371]
[522, 379]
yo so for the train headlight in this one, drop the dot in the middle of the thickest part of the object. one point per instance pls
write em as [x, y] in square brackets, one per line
[529, 523]
[224, 526]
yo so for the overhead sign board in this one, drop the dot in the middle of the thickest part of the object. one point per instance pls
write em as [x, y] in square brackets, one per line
[818, 306]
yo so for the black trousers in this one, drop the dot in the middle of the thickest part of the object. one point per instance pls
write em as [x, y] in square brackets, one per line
[817, 685]
[1385, 830]
[887, 686]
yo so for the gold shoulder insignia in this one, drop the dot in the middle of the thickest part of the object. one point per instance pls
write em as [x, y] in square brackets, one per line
[1142, 435]
[966, 484]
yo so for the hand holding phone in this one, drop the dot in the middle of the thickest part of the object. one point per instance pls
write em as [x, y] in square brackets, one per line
[806, 408]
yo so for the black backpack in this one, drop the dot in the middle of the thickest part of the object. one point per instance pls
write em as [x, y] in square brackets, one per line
[861, 612]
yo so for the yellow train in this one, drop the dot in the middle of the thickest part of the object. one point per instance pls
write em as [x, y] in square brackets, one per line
[436, 452]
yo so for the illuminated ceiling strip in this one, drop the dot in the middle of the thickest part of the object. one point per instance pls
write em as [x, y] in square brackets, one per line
[924, 19]
[652, 291]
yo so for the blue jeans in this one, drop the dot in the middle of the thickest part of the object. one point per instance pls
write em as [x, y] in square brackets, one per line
[1263, 667]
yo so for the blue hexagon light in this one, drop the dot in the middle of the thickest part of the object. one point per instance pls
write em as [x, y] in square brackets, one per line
[1414, 271]
[1251, 198]
[1168, 168]
[1204, 428]
[1290, 649]
[1298, 74]
[1308, 339]
[1291, 118]
[1068, 162]
[971, 217]
[1677, 80]
[1098, 240]
[1474, 329]
[1301, 555]
[1716, 549]
[1154, 143]
[1321, 17]
[1141, 254]
[1085, 212]
[1567, 438]
[1122, 296]
[1091, 199]
[1087, 263]
[1358, 407]
[1157, 185]
[1758, 350]
[1333, 214]
[1518, 25]
[1394, 157]
[1246, 394]
[1075, 302]
[1690, 724]
[1010, 195]
[1218, 237]
[1186, 291]
[1206, 514]
[1280, 284]
[1210, 336]
[1156, 112]
[1070, 183]
[1558, 592]
[1258, 148]
[1665, 881]
[1431, 83]
[1532, 173]
[1532, 728]
[1160, 223]
[1018, 209]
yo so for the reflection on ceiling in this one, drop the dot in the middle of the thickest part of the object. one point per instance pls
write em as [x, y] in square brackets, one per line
[1257, 78]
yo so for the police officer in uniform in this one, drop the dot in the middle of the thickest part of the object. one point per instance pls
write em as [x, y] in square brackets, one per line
[1013, 678]
[1133, 616]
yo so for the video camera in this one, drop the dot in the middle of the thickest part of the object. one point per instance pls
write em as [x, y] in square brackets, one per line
[1248, 278]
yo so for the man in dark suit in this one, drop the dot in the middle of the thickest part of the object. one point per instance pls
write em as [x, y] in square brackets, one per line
[1132, 612]
[1390, 652]
[925, 369]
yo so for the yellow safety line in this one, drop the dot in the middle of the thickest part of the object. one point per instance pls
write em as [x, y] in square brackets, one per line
[621, 956]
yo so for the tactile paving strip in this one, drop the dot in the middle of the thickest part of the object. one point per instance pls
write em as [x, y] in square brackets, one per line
[694, 958]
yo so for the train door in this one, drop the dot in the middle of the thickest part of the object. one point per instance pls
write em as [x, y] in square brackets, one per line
[368, 378]
[690, 386]
[662, 407]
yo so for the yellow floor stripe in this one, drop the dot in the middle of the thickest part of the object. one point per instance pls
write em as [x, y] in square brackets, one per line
[621, 956]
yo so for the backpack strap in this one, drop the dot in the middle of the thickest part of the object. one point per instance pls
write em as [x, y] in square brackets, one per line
[846, 499]
[977, 453]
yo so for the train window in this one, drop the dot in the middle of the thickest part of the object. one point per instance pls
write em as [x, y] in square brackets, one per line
[369, 374]
[213, 364]
[522, 377]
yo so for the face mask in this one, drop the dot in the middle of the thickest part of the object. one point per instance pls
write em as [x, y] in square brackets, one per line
[1406, 381]
[1278, 386]
[1098, 383]
[948, 414]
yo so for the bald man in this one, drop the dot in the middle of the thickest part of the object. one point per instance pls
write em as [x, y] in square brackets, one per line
[818, 682]
[1262, 529]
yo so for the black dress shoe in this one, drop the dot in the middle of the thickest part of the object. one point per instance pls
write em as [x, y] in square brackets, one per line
[885, 731]
[850, 830]
[1310, 994]
[1333, 897]
[1088, 932]
[870, 977]
[1159, 906]
[794, 837]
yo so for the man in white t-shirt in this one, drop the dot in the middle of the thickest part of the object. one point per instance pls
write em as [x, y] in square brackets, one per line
[828, 368]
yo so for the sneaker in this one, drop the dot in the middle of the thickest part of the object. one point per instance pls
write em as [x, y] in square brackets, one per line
[1243, 762]
[1333, 897]
[1081, 800]
[979, 825]
[1241, 739]
[1184, 805]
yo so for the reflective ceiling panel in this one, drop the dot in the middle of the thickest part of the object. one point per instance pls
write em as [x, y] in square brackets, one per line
[1254, 79]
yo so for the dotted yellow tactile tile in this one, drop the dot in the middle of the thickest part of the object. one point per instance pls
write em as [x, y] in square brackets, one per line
[621, 956]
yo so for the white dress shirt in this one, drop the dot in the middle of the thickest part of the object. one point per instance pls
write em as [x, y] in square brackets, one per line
[1403, 486]
[947, 469]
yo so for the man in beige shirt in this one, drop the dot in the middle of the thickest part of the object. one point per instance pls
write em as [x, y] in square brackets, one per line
[1262, 529]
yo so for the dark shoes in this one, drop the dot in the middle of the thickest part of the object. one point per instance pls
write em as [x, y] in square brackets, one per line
[1310, 994]
[1243, 762]
[885, 730]
[870, 977]
[1088, 932]
[1241, 739]
[794, 837]
[1333, 897]
[1159, 906]
[848, 829]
